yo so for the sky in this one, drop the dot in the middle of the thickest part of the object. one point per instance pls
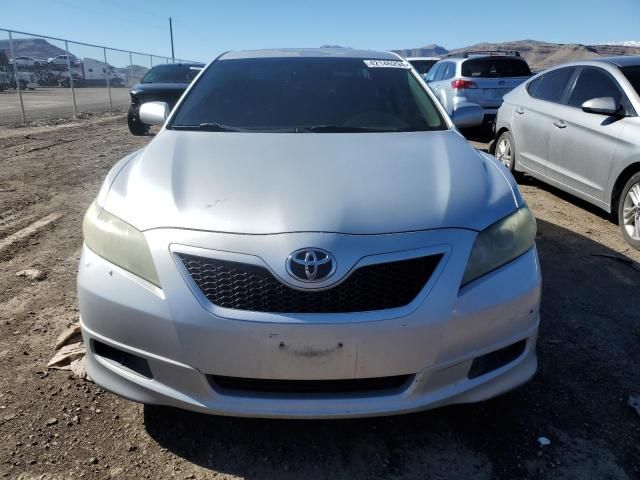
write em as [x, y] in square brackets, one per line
[203, 29]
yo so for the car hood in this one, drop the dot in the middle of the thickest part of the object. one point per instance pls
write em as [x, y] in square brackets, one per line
[259, 183]
[160, 87]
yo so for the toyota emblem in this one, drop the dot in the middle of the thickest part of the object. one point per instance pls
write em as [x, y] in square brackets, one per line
[311, 265]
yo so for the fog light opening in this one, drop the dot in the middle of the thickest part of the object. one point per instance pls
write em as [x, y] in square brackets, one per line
[496, 359]
[124, 359]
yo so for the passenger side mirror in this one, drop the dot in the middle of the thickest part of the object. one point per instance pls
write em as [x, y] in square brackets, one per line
[154, 113]
[468, 115]
[601, 106]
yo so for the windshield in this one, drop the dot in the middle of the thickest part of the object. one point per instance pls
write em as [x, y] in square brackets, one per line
[171, 74]
[633, 75]
[295, 94]
[423, 66]
[495, 67]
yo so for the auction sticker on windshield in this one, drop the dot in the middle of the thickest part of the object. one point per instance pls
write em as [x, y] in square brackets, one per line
[387, 64]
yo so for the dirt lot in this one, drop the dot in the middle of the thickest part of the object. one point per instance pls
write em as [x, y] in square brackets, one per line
[51, 103]
[67, 428]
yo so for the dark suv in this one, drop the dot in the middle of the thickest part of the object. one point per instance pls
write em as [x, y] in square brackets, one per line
[163, 83]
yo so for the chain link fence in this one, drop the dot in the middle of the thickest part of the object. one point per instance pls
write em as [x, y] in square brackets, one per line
[46, 78]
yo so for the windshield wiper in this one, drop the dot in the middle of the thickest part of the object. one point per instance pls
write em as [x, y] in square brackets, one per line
[343, 129]
[208, 127]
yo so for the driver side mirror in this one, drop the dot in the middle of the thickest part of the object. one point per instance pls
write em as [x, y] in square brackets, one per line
[154, 113]
[468, 115]
[602, 106]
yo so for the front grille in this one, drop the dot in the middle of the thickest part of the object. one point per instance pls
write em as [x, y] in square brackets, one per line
[309, 387]
[241, 286]
[171, 98]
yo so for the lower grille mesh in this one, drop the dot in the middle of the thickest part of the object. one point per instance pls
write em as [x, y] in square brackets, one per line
[243, 286]
[357, 385]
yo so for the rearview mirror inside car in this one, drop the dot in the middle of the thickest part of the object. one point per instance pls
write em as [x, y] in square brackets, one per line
[601, 106]
[154, 113]
[468, 115]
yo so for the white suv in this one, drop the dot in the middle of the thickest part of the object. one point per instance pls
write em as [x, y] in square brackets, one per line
[481, 78]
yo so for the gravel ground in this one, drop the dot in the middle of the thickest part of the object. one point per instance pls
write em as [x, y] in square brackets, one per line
[62, 427]
[50, 103]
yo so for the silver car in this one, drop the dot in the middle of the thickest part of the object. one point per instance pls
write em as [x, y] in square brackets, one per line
[481, 78]
[576, 127]
[308, 236]
[25, 61]
[62, 60]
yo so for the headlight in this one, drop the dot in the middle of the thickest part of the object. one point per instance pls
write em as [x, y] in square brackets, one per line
[500, 243]
[118, 242]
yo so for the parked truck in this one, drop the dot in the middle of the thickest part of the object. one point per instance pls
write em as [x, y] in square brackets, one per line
[91, 73]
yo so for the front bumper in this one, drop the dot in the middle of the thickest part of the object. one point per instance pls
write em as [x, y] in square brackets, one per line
[434, 339]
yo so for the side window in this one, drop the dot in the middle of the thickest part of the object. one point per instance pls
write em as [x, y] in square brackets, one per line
[533, 86]
[440, 72]
[450, 72]
[594, 83]
[432, 73]
[553, 84]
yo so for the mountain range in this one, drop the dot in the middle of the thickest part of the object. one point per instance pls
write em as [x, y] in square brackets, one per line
[539, 55]
[628, 43]
[31, 47]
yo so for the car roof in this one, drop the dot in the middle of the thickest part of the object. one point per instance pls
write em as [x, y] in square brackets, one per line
[609, 63]
[622, 61]
[310, 53]
[460, 58]
[167, 65]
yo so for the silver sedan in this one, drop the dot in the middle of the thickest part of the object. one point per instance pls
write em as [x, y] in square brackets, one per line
[308, 236]
[577, 128]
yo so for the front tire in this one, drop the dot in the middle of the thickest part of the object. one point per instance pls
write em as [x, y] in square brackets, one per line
[505, 151]
[629, 211]
[136, 127]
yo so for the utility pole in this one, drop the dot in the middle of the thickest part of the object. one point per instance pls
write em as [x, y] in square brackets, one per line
[173, 57]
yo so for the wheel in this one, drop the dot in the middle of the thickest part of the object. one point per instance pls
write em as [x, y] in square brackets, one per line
[506, 151]
[136, 127]
[629, 211]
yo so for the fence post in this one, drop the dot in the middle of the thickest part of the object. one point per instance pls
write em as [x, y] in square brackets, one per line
[73, 92]
[130, 70]
[151, 58]
[15, 77]
[107, 74]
